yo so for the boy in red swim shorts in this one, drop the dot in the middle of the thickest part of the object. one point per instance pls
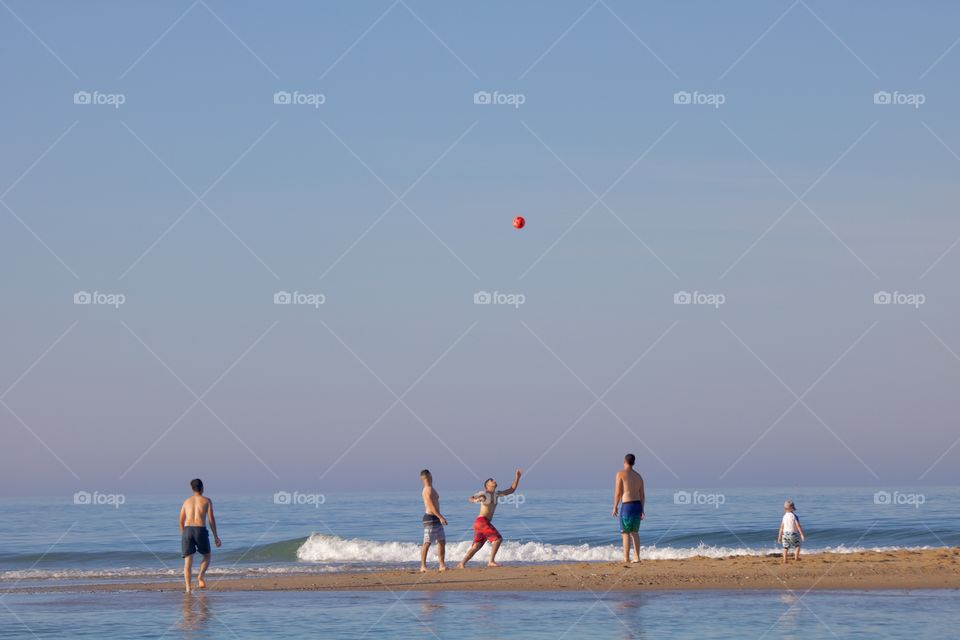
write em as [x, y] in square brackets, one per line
[483, 529]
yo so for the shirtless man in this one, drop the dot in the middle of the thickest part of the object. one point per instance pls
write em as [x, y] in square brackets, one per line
[193, 533]
[483, 529]
[628, 488]
[433, 522]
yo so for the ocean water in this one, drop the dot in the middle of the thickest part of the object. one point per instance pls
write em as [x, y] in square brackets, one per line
[481, 615]
[53, 540]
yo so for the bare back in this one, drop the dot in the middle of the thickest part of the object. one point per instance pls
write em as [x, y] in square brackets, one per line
[632, 483]
[431, 500]
[195, 510]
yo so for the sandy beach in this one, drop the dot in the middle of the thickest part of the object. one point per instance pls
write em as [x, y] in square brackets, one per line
[928, 569]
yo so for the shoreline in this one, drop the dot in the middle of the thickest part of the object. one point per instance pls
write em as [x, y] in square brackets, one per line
[869, 570]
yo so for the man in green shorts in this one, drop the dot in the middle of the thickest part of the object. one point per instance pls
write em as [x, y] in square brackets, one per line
[628, 488]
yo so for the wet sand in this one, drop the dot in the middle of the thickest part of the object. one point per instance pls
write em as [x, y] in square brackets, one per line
[928, 569]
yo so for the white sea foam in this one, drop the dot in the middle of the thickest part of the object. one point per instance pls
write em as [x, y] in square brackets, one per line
[335, 550]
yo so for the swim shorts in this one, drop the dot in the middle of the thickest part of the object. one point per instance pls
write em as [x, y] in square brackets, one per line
[484, 530]
[194, 540]
[630, 513]
[432, 529]
[791, 540]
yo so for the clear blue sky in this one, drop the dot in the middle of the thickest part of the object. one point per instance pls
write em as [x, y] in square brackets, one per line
[297, 198]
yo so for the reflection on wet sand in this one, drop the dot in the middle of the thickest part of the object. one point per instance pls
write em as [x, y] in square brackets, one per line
[430, 604]
[195, 614]
[627, 612]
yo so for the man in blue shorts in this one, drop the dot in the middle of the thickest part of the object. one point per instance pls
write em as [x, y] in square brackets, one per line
[194, 538]
[629, 490]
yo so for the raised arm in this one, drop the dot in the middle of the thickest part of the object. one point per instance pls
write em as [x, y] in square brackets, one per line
[513, 487]
[617, 493]
[213, 522]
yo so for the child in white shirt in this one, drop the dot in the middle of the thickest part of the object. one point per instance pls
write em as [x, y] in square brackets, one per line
[791, 533]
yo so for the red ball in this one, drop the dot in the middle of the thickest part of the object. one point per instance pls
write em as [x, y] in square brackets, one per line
[518, 222]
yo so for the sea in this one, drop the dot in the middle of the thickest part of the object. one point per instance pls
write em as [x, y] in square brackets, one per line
[94, 537]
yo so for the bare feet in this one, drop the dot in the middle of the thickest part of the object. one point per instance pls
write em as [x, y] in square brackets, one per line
[187, 591]
[635, 561]
[462, 566]
[201, 583]
[423, 569]
[492, 564]
[442, 568]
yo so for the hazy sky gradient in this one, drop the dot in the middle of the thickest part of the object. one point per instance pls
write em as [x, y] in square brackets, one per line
[799, 305]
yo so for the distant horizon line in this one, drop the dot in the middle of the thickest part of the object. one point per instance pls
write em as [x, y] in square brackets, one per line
[415, 487]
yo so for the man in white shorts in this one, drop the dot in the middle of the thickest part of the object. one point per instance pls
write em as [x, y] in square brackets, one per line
[433, 523]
